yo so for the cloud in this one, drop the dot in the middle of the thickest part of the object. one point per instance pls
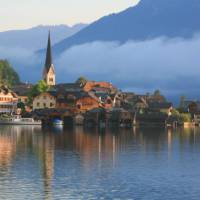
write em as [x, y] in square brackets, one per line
[24, 61]
[171, 65]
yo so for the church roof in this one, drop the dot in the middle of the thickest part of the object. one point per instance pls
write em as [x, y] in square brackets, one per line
[49, 59]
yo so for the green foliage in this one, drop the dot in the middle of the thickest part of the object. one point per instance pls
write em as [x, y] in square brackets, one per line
[157, 93]
[175, 113]
[182, 99]
[37, 89]
[21, 105]
[8, 76]
[181, 117]
[185, 117]
[81, 80]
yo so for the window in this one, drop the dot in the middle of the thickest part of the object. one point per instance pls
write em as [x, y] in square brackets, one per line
[45, 97]
[44, 104]
[109, 101]
[51, 104]
[50, 79]
[38, 104]
[79, 106]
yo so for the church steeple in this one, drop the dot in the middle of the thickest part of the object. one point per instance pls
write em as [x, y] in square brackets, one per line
[49, 60]
[49, 71]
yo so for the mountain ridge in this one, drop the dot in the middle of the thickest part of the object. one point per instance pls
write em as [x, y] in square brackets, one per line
[147, 20]
[34, 38]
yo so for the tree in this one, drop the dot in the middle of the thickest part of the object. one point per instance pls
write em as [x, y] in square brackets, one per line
[185, 117]
[182, 100]
[8, 76]
[158, 96]
[37, 89]
[175, 113]
[21, 105]
[181, 117]
[157, 93]
[81, 80]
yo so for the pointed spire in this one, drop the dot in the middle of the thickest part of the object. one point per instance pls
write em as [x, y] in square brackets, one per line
[49, 60]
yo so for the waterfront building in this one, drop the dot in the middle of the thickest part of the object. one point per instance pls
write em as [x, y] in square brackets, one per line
[190, 106]
[44, 100]
[49, 71]
[66, 100]
[88, 102]
[8, 100]
[105, 100]
[79, 101]
[22, 90]
[163, 107]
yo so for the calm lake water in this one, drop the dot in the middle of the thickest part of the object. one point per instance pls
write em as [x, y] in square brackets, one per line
[138, 164]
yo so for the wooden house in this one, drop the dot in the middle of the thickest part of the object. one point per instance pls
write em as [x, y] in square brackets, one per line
[79, 101]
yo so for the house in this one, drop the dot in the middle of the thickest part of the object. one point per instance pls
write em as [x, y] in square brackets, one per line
[95, 117]
[86, 102]
[93, 85]
[129, 96]
[79, 101]
[162, 107]
[117, 99]
[8, 100]
[22, 90]
[68, 87]
[140, 104]
[120, 117]
[190, 106]
[155, 98]
[152, 118]
[44, 100]
[105, 99]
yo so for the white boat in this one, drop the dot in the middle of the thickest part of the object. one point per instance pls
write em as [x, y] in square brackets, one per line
[18, 120]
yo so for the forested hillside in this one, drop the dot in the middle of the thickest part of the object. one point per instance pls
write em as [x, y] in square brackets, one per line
[8, 76]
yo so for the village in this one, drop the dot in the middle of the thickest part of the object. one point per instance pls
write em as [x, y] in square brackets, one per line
[92, 103]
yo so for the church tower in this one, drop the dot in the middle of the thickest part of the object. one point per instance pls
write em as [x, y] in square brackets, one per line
[49, 71]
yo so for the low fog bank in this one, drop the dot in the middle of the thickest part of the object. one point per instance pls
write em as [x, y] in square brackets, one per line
[171, 65]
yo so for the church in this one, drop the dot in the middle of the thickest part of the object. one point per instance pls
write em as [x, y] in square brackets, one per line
[49, 71]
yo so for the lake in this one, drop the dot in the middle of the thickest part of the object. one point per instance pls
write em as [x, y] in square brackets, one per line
[137, 164]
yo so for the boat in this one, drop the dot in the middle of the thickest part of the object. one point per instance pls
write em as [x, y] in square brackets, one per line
[18, 120]
[57, 122]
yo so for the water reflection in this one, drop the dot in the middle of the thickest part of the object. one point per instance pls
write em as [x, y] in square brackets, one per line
[88, 164]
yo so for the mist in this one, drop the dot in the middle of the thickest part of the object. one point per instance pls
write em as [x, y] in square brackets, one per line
[171, 65]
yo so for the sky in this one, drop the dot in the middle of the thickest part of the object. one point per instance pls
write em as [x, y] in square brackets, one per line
[22, 14]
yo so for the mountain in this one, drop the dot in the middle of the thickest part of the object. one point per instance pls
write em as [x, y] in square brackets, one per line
[35, 38]
[147, 20]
